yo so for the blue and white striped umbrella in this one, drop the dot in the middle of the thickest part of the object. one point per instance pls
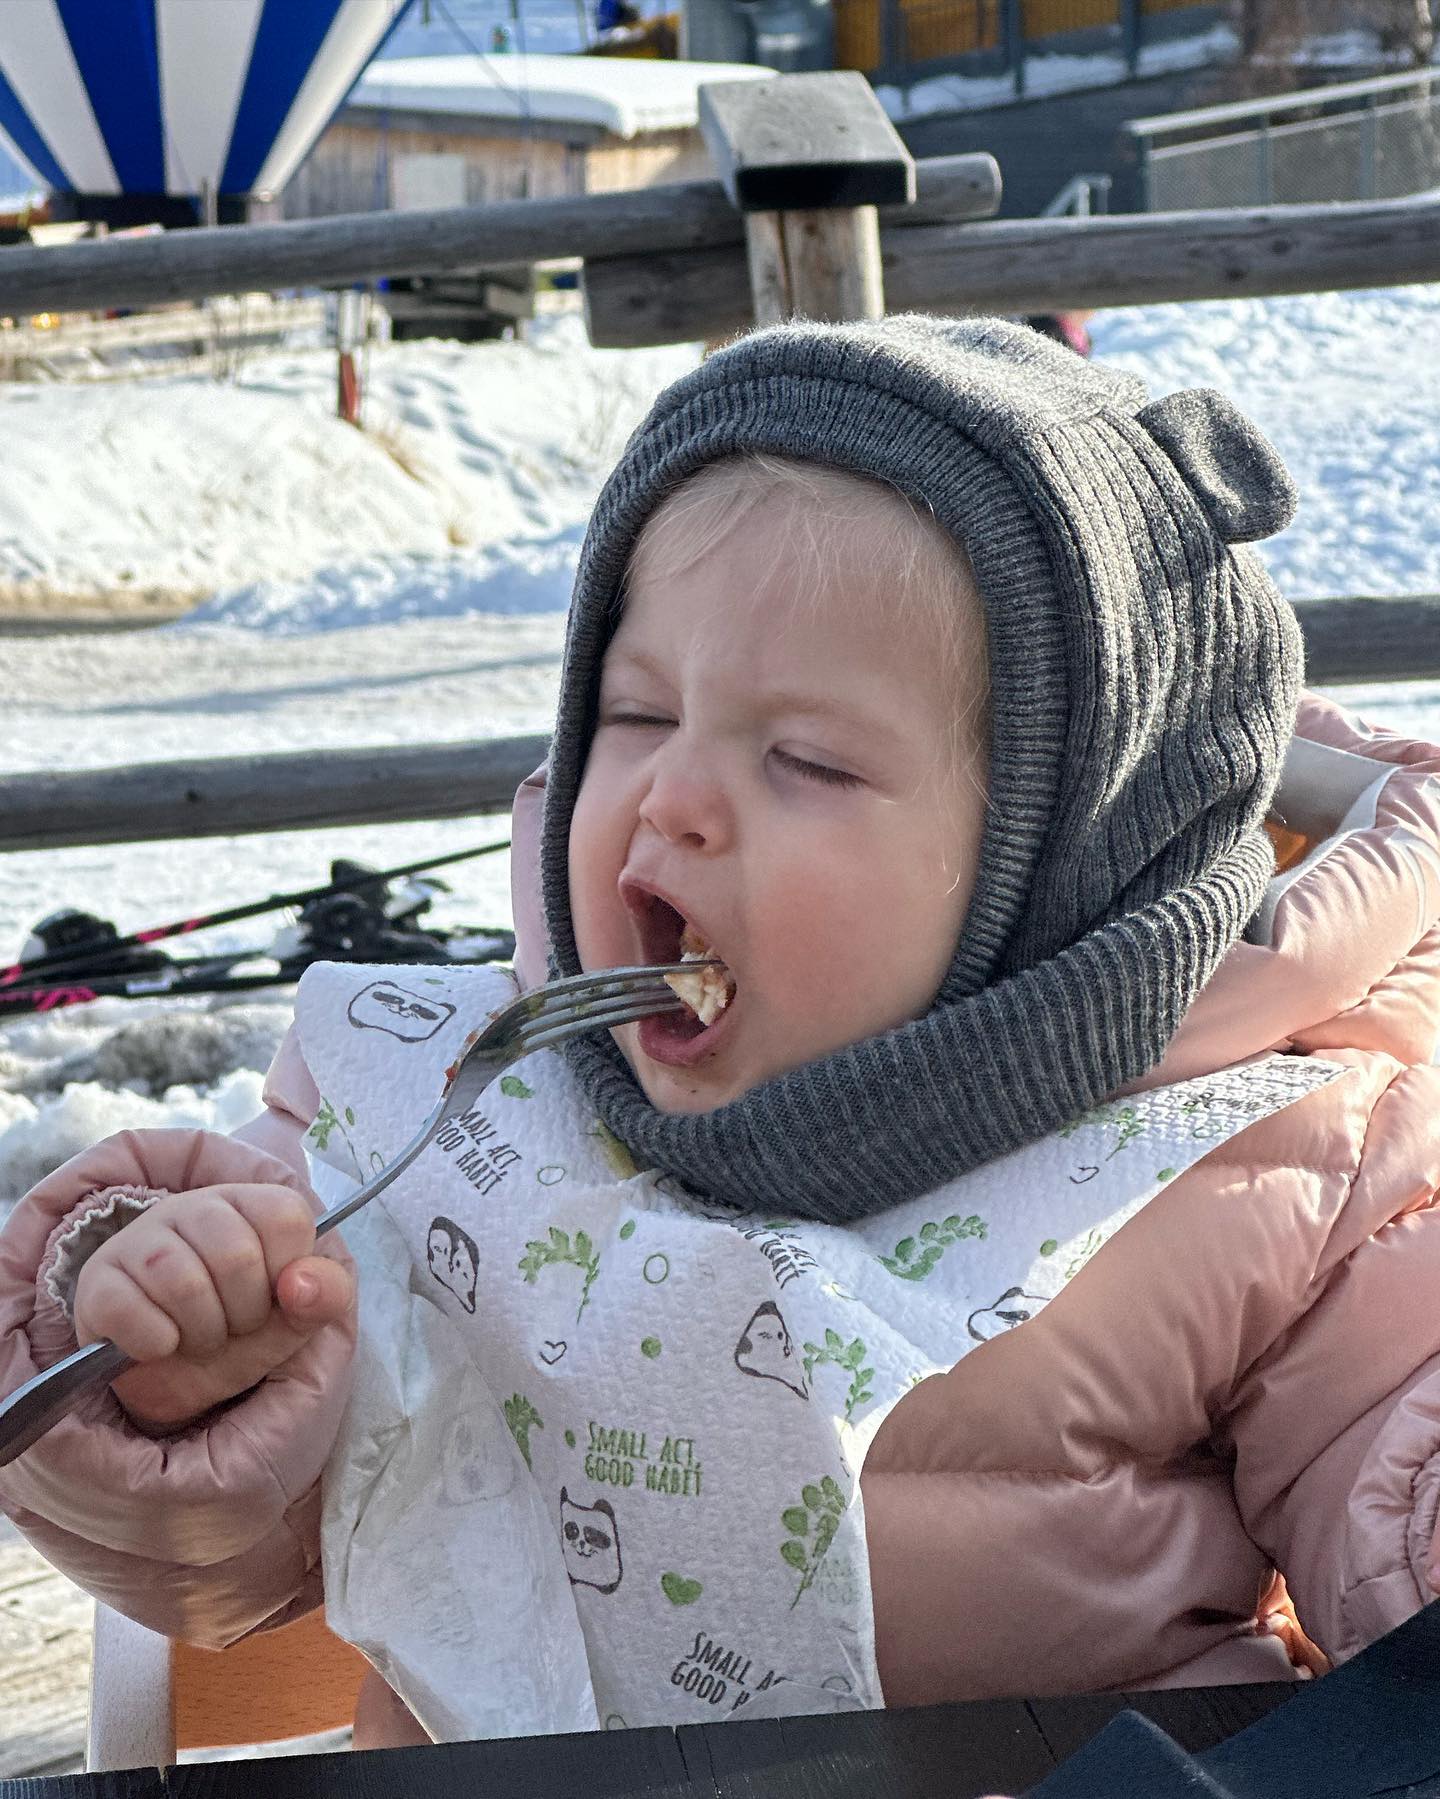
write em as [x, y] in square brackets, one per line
[178, 96]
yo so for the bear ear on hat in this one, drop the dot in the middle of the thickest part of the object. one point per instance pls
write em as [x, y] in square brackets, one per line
[1232, 468]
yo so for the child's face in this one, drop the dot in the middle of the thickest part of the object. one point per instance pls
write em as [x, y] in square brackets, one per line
[776, 769]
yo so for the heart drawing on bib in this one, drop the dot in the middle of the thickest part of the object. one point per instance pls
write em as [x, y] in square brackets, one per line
[680, 1591]
[551, 1352]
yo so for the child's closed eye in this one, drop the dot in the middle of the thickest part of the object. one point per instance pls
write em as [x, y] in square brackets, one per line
[645, 720]
[816, 771]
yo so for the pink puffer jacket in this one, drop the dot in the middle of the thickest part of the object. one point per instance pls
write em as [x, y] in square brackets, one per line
[1245, 1379]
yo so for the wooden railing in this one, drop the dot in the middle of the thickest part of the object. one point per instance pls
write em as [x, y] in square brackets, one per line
[336, 252]
[668, 264]
[1347, 640]
[82, 348]
[1022, 266]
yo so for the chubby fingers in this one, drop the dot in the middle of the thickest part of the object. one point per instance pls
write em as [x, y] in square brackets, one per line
[314, 1290]
[195, 1271]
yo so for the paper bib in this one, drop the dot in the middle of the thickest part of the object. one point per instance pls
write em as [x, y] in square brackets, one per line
[600, 1464]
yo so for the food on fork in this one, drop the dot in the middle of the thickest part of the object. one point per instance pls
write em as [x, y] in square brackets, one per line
[708, 990]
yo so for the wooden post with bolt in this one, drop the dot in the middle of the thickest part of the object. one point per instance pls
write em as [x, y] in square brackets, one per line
[807, 159]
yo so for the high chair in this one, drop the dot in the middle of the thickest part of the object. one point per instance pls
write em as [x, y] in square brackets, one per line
[150, 1697]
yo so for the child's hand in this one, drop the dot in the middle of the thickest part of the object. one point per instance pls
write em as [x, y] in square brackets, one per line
[210, 1291]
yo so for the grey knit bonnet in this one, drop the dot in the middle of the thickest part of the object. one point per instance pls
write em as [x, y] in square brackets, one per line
[1144, 679]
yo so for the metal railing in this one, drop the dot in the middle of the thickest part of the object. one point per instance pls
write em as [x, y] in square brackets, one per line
[1357, 140]
[1082, 197]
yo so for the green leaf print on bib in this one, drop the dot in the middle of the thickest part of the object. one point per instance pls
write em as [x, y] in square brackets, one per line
[914, 1258]
[822, 1508]
[1123, 1116]
[327, 1123]
[522, 1418]
[557, 1251]
[851, 1358]
[679, 1590]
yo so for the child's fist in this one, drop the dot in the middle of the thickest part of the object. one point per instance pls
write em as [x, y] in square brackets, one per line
[209, 1291]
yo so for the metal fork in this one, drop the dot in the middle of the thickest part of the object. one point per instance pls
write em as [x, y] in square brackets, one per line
[537, 1020]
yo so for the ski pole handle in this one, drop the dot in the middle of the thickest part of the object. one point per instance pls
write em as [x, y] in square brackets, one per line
[45, 1398]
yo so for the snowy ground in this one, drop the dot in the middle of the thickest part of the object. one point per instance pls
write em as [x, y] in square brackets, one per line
[473, 471]
[359, 633]
[469, 488]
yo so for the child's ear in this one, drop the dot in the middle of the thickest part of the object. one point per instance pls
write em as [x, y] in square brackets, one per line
[1231, 467]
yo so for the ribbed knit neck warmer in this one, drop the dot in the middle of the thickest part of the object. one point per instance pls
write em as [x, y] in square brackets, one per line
[1144, 680]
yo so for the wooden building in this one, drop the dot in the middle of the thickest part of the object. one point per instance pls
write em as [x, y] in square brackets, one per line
[457, 130]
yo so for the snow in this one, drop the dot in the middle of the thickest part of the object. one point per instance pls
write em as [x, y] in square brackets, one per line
[1341, 49]
[64, 1086]
[472, 476]
[1347, 388]
[623, 95]
[352, 615]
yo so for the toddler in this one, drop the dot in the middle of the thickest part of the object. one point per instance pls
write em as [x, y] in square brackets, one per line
[1024, 1284]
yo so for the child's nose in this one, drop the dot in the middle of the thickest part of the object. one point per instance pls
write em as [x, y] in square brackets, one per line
[687, 802]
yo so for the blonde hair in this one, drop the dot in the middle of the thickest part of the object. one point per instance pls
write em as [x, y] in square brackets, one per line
[834, 526]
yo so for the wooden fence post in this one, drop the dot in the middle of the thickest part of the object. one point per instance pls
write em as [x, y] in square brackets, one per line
[807, 159]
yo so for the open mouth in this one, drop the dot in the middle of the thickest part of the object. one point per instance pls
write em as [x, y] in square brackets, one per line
[708, 991]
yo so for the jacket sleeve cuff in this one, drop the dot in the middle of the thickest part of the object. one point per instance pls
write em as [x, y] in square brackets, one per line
[205, 1495]
[73, 1241]
[1393, 1536]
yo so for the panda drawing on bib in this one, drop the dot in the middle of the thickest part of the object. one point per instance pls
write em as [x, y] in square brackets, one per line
[591, 1543]
[399, 1012]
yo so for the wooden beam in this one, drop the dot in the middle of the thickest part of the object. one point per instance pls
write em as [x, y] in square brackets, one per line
[1346, 640]
[804, 142]
[807, 159]
[192, 265]
[659, 292]
[1018, 266]
[235, 796]
[815, 265]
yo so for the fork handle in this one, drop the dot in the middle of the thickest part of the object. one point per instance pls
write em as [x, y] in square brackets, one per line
[46, 1397]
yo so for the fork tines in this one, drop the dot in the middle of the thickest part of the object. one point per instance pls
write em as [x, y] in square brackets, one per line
[542, 1033]
[600, 983]
[597, 1001]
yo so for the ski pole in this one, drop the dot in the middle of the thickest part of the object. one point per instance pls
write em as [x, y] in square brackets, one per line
[82, 990]
[62, 959]
[176, 982]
